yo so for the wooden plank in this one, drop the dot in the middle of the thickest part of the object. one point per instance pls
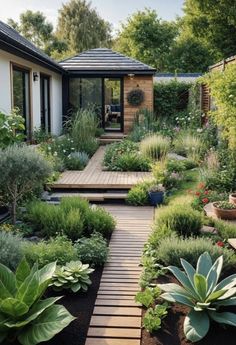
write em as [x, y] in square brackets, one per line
[114, 332]
[111, 341]
[117, 302]
[123, 311]
[116, 321]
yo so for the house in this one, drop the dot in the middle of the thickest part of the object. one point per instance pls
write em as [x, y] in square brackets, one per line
[46, 91]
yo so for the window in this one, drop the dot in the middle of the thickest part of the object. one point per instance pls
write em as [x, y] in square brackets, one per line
[21, 95]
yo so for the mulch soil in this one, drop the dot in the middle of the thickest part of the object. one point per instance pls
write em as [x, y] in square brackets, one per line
[172, 333]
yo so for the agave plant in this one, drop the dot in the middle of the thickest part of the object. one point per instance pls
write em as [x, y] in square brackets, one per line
[23, 314]
[74, 275]
[202, 292]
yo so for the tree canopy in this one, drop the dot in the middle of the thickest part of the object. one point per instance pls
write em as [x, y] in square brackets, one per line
[81, 26]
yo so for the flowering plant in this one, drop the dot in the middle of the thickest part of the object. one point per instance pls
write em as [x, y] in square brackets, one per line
[203, 196]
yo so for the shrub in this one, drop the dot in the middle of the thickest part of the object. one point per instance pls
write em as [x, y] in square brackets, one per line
[73, 276]
[226, 230]
[12, 129]
[189, 145]
[138, 195]
[99, 220]
[22, 170]
[181, 219]
[93, 250]
[10, 249]
[155, 146]
[171, 249]
[24, 315]
[132, 161]
[202, 196]
[58, 249]
[77, 160]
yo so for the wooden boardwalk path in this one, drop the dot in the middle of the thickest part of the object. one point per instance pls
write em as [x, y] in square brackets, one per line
[116, 318]
[93, 177]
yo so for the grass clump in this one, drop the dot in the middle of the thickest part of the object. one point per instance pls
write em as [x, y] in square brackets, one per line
[181, 219]
[10, 249]
[171, 249]
[155, 146]
[189, 145]
[225, 229]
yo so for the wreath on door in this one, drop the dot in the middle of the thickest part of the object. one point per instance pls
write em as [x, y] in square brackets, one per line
[135, 97]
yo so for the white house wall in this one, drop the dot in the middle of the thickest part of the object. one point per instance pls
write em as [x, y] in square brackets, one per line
[6, 59]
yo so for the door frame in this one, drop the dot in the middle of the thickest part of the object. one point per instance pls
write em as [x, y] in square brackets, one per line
[44, 76]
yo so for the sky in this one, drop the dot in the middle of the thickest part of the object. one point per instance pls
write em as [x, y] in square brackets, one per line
[115, 11]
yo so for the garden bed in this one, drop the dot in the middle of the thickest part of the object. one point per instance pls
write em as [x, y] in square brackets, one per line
[171, 332]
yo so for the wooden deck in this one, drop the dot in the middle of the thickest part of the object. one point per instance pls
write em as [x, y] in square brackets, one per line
[93, 177]
[116, 318]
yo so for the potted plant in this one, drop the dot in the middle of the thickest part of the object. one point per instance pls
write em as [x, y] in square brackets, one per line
[232, 198]
[156, 194]
[224, 210]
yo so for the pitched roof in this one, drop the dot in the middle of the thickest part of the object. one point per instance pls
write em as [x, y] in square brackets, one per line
[10, 38]
[103, 60]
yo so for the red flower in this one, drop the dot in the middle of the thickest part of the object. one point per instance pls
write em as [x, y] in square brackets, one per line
[220, 244]
[197, 193]
[205, 200]
[206, 192]
[201, 185]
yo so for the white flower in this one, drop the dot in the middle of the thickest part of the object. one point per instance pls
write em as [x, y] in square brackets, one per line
[64, 151]
[199, 130]
[189, 118]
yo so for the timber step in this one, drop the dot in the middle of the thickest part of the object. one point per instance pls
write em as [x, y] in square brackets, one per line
[56, 197]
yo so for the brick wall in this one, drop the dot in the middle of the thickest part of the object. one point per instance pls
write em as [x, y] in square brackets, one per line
[145, 83]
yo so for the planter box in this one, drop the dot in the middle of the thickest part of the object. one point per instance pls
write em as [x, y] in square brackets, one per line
[156, 198]
[224, 214]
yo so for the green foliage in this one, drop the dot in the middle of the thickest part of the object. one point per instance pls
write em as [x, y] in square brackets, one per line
[93, 250]
[73, 276]
[170, 99]
[28, 170]
[135, 97]
[154, 316]
[148, 296]
[40, 135]
[225, 205]
[83, 129]
[99, 220]
[58, 249]
[24, 315]
[201, 291]
[124, 156]
[11, 129]
[172, 248]
[81, 27]
[189, 145]
[34, 27]
[11, 249]
[77, 161]
[225, 229]
[155, 146]
[181, 219]
[158, 35]
[223, 91]
[138, 195]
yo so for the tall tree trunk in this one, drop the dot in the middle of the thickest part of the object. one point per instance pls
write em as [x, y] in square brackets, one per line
[13, 212]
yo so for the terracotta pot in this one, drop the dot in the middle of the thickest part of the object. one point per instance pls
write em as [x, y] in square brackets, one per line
[232, 198]
[224, 214]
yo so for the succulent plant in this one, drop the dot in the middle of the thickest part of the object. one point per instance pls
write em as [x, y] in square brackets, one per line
[74, 275]
[203, 294]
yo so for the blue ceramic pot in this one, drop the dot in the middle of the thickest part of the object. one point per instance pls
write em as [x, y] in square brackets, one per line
[156, 198]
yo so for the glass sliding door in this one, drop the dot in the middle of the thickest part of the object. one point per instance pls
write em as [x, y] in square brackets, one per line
[21, 95]
[45, 103]
[112, 104]
[85, 93]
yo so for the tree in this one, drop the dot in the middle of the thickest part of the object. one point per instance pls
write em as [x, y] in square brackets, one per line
[81, 26]
[214, 23]
[147, 38]
[35, 27]
[22, 170]
[189, 55]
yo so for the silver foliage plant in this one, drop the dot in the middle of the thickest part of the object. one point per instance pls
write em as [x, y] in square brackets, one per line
[201, 291]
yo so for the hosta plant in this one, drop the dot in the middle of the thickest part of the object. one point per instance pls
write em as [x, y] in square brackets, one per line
[24, 315]
[202, 292]
[74, 275]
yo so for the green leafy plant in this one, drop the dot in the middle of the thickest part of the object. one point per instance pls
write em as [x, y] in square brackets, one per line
[77, 160]
[92, 250]
[24, 315]
[73, 276]
[182, 220]
[27, 171]
[135, 97]
[154, 316]
[11, 249]
[148, 296]
[202, 292]
[155, 146]
[132, 161]
[58, 249]
[226, 230]
[12, 128]
[138, 195]
[225, 205]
